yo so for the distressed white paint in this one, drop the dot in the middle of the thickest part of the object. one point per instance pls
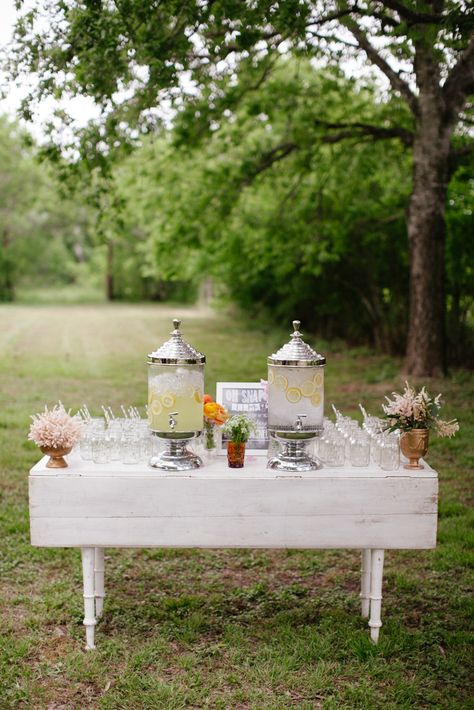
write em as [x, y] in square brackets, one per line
[89, 622]
[376, 576]
[254, 468]
[366, 557]
[304, 532]
[93, 507]
[99, 572]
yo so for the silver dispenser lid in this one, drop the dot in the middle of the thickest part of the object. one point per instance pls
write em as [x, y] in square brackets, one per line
[176, 351]
[296, 353]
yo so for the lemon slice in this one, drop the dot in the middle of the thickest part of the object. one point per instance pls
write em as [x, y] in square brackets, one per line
[271, 377]
[167, 400]
[155, 407]
[198, 396]
[308, 388]
[151, 397]
[316, 399]
[281, 382]
[293, 395]
[188, 391]
[318, 379]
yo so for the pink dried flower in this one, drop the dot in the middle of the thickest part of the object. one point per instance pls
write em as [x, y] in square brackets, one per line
[447, 428]
[417, 410]
[55, 428]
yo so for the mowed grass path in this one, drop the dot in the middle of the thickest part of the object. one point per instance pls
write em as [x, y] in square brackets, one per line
[219, 629]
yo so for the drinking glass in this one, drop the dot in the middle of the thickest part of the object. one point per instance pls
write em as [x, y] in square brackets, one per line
[100, 447]
[359, 449]
[130, 448]
[390, 453]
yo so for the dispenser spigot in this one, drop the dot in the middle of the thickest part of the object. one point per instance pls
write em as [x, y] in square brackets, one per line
[172, 421]
[299, 422]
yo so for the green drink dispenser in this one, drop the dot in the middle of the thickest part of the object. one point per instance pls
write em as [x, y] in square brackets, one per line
[175, 400]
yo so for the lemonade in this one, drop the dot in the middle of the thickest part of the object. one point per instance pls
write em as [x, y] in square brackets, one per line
[293, 391]
[171, 390]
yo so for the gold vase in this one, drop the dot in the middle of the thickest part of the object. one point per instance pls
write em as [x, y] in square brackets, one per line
[56, 455]
[414, 445]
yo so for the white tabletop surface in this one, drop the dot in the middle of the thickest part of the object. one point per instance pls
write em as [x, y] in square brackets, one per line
[255, 467]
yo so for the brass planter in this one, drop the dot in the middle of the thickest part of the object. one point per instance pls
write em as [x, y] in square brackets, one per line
[414, 445]
[56, 456]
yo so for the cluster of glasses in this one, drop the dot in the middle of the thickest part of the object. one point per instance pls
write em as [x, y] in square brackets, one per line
[345, 442]
[124, 439]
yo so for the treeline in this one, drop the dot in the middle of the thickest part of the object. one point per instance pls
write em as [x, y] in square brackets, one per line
[314, 229]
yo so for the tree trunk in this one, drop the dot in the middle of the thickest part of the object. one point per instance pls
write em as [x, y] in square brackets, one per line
[426, 347]
[110, 272]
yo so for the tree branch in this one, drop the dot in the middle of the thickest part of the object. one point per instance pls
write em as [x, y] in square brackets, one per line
[268, 159]
[345, 131]
[413, 18]
[395, 80]
[357, 129]
[460, 82]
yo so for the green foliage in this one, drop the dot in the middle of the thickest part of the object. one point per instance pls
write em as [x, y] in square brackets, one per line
[321, 233]
[238, 428]
[44, 237]
[273, 179]
[459, 265]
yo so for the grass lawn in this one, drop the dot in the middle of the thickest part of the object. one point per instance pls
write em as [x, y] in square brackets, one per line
[219, 629]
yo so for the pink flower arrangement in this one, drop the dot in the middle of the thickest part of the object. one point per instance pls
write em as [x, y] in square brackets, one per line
[417, 410]
[55, 428]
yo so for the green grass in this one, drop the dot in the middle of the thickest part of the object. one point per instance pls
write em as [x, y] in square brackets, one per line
[219, 629]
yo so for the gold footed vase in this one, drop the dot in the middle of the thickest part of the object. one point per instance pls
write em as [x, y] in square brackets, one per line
[414, 445]
[56, 456]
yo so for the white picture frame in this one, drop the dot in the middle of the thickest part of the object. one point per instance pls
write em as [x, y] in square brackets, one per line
[249, 398]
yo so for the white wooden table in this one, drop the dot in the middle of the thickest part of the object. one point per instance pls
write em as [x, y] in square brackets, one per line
[114, 505]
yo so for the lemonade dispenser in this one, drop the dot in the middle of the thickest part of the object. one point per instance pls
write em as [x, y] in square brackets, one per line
[295, 403]
[175, 400]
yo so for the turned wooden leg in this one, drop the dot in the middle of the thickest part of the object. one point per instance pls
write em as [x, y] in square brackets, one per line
[365, 582]
[376, 594]
[99, 581]
[88, 555]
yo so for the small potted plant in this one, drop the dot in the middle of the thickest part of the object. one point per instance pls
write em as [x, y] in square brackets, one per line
[238, 428]
[55, 431]
[414, 414]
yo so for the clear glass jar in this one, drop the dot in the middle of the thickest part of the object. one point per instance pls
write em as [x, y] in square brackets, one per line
[390, 453]
[359, 449]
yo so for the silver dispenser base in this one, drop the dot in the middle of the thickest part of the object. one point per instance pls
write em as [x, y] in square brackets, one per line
[293, 455]
[176, 457]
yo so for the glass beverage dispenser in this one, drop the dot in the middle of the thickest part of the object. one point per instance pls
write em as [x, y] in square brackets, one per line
[295, 403]
[175, 401]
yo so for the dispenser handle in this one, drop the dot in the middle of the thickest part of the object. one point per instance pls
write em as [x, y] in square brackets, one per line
[172, 421]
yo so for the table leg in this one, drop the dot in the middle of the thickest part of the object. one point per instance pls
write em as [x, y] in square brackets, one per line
[88, 555]
[365, 582]
[99, 581]
[376, 594]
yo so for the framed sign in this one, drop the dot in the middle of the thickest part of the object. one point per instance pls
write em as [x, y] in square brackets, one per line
[249, 398]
